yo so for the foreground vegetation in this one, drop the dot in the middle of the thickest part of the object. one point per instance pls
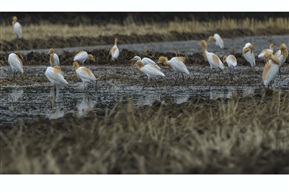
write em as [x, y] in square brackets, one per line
[242, 135]
[47, 30]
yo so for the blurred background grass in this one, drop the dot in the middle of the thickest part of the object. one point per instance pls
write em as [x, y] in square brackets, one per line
[102, 18]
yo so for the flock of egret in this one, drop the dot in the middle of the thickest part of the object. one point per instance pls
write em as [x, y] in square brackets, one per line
[148, 67]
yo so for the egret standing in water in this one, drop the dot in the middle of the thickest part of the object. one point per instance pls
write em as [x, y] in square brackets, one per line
[17, 27]
[84, 74]
[55, 76]
[15, 64]
[149, 70]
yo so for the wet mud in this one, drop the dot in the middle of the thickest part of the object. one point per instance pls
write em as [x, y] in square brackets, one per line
[129, 125]
[30, 95]
[120, 78]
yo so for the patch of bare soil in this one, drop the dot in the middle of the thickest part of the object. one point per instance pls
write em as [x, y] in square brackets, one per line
[60, 42]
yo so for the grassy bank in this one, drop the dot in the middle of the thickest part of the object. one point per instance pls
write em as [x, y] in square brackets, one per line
[243, 135]
[130, 27]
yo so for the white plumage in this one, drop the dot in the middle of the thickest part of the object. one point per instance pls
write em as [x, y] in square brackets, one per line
[177, 63]
[282, 54]
[114, 51]
[218, 40]
[55, 75]
[17, 27]
[82, 56]
[149, 70]
[15, 63]
[270, 50]
[249, 54]
[231, 60]
[212, 58]
[145, 61]
[84, 74]
[270, 70]
[53, 59]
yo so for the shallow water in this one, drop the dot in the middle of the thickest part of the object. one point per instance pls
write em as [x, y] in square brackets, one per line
[32, 102]
[32, 99]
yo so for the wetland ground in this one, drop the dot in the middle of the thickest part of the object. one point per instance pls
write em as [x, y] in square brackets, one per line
[204, 124]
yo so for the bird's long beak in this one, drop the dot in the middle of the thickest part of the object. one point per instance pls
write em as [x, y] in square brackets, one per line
[199, 44]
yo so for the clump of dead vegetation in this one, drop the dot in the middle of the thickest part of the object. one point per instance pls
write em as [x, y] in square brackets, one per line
[131, 27]
[240, 135]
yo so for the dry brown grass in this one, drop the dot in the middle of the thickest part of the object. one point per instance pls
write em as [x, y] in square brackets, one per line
[47, 30]
[248, 135]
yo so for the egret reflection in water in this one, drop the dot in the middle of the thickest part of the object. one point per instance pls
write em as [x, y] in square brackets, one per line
[15, 97]
[86, 105]
[148, 99]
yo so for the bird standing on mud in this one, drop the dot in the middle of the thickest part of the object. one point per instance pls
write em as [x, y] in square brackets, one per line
[17, 27]
[270, 50]
[53, 59]
[231, 61]
[82, 56]
[212, 58]
[176, 63]
[218, 40]
[149, 70]
[114, 51]
[145, 61]
[248, 54]
[281, 54]
[55, 75]
[271, 69]
[15, 63]
[84, 74]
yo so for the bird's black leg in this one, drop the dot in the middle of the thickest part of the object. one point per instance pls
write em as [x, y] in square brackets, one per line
[183, 77]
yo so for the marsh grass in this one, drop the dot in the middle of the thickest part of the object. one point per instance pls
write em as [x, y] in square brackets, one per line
[131, 27]
[243, 135]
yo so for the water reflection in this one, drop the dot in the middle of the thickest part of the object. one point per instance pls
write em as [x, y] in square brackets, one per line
[16, 94]
[34, 102]
[57, 113]
[57, 107]
[3, 72]
[148, 99]
[86, 105]
[248, 92]
[15, 97]
[216, 94]
[179, 99]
